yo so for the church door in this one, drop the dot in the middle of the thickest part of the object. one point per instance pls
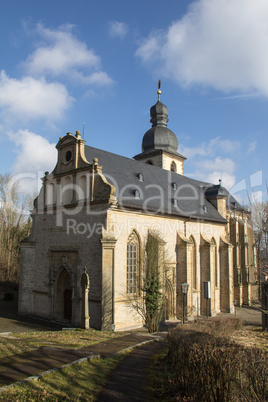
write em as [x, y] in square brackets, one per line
[68, 304]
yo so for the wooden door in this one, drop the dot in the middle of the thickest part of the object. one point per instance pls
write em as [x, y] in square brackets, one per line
[68, 304]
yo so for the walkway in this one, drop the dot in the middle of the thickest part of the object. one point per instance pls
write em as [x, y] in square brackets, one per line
[124, 383]
[129, 380]
[18, 367]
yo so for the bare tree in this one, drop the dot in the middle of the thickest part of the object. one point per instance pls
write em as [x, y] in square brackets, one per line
[150, 304]
[15, 224]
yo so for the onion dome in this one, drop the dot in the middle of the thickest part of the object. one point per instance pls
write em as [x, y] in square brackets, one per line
[159, 136]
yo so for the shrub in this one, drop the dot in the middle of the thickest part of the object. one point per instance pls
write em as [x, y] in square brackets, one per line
[254, 366]
[203, 365]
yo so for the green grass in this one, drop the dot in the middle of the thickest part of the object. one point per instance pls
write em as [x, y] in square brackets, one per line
[25, 342]
[79, 382]
[157, 377]
[67, 339]
[10, 346]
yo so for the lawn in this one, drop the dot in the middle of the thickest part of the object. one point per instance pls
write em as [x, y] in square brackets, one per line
[79, 382]
[202, 342]
[23, 342]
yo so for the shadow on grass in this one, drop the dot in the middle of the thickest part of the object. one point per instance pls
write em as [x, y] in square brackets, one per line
[79, 382]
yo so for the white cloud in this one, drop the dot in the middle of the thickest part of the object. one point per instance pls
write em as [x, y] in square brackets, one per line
[226, 145]
[252, 146]
[191, 152]
[34, 152]
[99, 79]
[218, 164]
[118, 29]
[35, 155]
[215, 145]
[228, 180]
[151, 48]
[31, 98]
[61, 54]
[219, 43]
[212, 170]
[208, 162]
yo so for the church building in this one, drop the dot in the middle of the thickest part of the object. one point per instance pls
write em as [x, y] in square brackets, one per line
[95, 210]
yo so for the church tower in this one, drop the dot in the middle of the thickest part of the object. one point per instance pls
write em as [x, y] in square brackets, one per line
[160, 144]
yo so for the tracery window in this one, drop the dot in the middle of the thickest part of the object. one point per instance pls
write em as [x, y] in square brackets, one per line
[132, 263]
[214, 261]
[194, 268]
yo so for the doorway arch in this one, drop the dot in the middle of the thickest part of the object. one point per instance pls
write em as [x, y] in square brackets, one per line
[63, 295]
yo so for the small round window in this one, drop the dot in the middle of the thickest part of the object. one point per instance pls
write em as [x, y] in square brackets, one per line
[68, 156]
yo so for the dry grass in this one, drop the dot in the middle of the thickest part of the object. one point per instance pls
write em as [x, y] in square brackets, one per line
[232, 328]
[251, 337]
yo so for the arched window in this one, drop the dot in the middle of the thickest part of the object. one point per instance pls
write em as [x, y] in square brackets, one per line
[214, 261]
[194, 270]
[132, 263]
[173, 167]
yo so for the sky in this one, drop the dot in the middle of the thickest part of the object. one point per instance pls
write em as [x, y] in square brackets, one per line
[94, 66]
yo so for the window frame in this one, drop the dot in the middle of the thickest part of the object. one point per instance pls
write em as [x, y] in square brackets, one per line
[133, 264]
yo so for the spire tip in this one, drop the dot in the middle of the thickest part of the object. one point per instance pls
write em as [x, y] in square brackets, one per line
[159, 91]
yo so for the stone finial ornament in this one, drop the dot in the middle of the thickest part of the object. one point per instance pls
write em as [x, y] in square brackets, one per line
[85, 279]
[85, 287]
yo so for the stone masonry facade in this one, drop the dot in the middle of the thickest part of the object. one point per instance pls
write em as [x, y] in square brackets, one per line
[81, 219]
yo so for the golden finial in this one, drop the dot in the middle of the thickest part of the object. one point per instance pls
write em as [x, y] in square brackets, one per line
[159, 91]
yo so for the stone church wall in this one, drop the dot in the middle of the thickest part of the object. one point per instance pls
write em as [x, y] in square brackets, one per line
[122, 223]
[58, 254]
[27, 278]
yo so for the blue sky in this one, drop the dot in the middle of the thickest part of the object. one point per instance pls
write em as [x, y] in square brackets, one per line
[64, 63]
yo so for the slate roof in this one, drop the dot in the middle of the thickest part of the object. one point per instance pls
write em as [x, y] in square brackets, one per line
[156, 192]
[218, 190]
